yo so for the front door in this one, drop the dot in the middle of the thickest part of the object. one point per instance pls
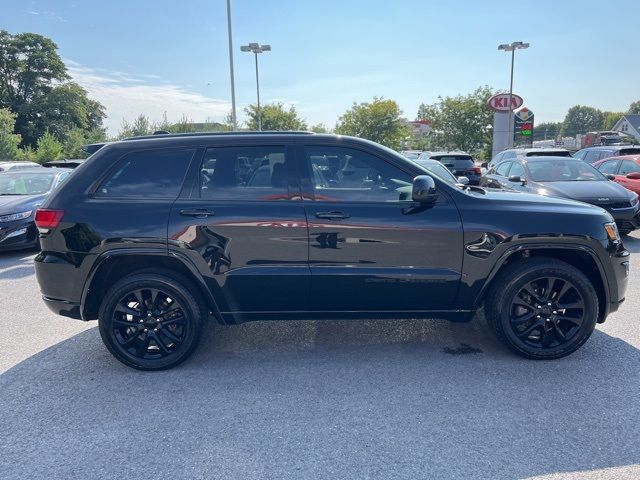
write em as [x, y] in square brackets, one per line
[245, 227]
[370, 247]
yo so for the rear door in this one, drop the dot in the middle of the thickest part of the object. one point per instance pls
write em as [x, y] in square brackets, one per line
[370, 248]
[244, 226]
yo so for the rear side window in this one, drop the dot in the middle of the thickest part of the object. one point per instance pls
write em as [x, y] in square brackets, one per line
[629, 151]
[629, 166]
[503, 168]
[246, 173]
[149, 174]
[592, 156]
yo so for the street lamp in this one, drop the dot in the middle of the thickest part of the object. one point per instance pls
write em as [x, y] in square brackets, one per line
[512, 47]
[256, 48]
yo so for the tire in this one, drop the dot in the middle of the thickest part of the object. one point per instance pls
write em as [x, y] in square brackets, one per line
[152, 320]
[542, 308]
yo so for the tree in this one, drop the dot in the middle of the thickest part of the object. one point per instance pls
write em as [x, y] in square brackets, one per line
[319, 128]
[582, 119]
[634, 108]
[49, 148]
[8, 140]
[34, 84]
[77, 138]
[274, 117]
[140, 126]
[462, 122]
[610, 119]
[547, 131]
[379, 121]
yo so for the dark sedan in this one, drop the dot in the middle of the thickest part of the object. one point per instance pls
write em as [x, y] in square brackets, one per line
[21, 193]
[567, 178]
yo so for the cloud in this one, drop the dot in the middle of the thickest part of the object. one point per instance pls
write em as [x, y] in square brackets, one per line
[126, 95]
[44, 13]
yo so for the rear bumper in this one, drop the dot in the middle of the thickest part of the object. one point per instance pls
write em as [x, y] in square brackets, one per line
[618, 284]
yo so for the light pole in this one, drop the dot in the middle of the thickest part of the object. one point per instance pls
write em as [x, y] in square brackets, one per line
[256, 48]
[233, 86]
[512, 47]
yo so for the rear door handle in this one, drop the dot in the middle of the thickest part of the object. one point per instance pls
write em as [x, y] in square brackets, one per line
[332, 215]
[197, 212]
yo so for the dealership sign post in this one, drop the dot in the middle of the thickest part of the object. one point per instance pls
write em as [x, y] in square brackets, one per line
[503, 132]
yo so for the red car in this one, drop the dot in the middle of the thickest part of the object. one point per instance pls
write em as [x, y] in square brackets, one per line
[625, 170]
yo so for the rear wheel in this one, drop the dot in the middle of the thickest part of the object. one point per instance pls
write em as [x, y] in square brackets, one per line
[542, 308]
[151, 321]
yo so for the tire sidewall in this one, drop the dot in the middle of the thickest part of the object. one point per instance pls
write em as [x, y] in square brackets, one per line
[585, 289]
[193, 312]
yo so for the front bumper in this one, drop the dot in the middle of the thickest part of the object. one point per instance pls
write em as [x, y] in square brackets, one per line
[18, 235]
[626, 218]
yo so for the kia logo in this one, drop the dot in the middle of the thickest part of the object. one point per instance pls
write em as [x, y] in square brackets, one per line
[500, 102]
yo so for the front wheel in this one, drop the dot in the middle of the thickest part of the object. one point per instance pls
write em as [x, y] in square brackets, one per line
[542, 308]
[151, 321]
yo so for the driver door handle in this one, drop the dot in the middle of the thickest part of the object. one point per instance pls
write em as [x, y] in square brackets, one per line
[332, 215]
[197, 212]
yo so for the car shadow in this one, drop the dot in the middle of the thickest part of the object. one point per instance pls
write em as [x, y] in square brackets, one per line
[339, 399]
[632, 242]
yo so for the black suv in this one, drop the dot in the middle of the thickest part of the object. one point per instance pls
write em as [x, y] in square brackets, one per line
[154, 235]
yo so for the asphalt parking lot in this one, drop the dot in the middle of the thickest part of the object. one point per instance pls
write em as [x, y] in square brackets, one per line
[353, 400]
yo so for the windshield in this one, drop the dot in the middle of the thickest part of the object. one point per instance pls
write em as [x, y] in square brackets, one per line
[562, 171]
[440, 171]
[21, 183]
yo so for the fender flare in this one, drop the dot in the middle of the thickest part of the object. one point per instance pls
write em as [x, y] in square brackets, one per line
[157, 252]
[539, 246]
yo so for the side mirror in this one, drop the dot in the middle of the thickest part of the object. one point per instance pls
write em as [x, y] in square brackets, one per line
[484, 165]
[610, 177]
[633, 176]
[463, 180]
[518, 179]
[424, 190]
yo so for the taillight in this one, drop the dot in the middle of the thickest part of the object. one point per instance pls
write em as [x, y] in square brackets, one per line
[475, 170]
[46, 219]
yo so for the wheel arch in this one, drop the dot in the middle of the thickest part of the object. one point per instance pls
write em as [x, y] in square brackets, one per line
[115, 264]
[579, 256]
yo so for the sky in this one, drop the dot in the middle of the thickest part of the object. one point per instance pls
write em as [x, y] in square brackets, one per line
[172, 56]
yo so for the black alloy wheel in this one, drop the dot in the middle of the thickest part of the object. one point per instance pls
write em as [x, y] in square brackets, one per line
[152, 321]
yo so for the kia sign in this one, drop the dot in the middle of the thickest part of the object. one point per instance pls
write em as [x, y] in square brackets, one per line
[500, 102]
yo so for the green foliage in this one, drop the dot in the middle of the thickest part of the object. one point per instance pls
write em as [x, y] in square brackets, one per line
[274, 117]
[27, 154]
[610, 119]
[49, 148]
[634, 108]
[582, 119]
[461, 122]
[8, 140]
[140, 126]
[547, 131]
[34, 84]
[379, 121]
[77, 138]
[319, 128]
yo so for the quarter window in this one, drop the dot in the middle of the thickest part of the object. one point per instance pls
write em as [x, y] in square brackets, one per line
[343, 174]
[150, 174]
[503, 168]
[245, 173]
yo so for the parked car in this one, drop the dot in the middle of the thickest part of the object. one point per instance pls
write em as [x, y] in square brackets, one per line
[21, 193]
[461, 164]
[625, 170]
[593, 154]
[151, 248]
[520, 153]
[6, 166]
[411, 154]
[568, 178]
[443, 173]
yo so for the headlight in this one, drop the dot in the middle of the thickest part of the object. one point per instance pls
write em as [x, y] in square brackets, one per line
[15, 216]
[612, 232]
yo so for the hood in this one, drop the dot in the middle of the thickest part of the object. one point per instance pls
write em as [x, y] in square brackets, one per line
[588, 191]
[19, 203]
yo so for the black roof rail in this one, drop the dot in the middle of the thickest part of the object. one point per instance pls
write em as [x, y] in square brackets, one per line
[92, 147]
[164, 134]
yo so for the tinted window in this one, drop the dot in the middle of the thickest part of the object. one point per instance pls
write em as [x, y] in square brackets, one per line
[516, 169]
[455, 162]
[592, 156]
[345, 174]
[549, 153]
[503, 168]
[247, 173]
[610, 167]
[150, 173]
[629, 151]
[629, 166]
